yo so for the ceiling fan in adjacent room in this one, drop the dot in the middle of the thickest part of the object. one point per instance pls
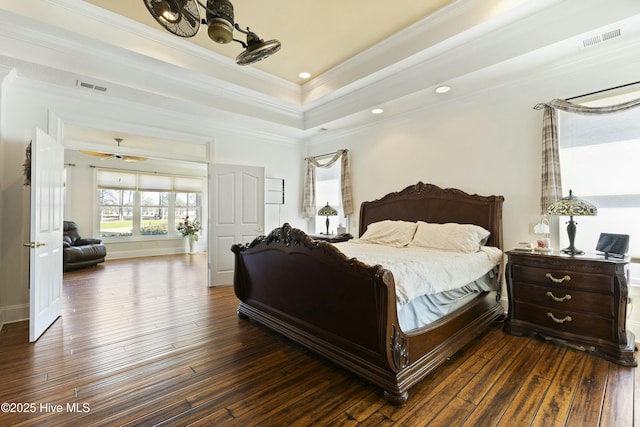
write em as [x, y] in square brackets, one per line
[107, 156]
[182, 18]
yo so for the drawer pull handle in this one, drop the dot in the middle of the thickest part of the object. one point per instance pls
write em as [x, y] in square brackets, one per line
[554, 280]
[566, 319]
[556, 299]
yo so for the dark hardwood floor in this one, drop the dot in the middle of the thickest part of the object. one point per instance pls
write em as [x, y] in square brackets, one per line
[145, 342]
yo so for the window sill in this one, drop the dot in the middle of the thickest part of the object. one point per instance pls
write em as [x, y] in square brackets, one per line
[132, 239]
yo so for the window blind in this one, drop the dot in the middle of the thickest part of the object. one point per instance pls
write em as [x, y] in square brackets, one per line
[187, 185]
[155, 183]
[110, 179]
[148, 182]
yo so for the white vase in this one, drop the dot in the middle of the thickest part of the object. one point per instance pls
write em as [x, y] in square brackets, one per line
[192, 243]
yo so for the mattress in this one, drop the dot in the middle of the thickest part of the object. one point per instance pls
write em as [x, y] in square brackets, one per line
[426, 309]
[430, 283]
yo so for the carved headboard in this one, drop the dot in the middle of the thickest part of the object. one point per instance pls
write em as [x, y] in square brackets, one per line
[430, 203]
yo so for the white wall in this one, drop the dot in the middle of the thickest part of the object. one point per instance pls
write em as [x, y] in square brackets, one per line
[486, 143]
[29, 104]
[21, 117]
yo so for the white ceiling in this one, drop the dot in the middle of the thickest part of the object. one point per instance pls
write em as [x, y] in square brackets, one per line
[315, 35]
[358, 59]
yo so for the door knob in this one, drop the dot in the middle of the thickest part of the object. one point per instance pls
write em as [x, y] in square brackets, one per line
[34, 244]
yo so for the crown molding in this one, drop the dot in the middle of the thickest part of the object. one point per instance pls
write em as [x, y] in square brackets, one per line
[143, 66]
[457, 23]
[489, 46]
[98, 24]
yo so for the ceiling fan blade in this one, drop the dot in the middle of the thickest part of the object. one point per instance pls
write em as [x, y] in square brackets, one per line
[193, 20]
[133, 158]
[97, 154]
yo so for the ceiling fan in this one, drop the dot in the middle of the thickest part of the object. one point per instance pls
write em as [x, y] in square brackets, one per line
[107, 156]
[182, 18]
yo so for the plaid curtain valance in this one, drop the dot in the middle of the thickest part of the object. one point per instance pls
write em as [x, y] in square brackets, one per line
[309, 195]
[551, 180]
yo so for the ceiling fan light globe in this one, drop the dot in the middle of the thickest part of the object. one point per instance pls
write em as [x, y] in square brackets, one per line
[163, 9]
[169, 11]
[220, 31]
[170, 16]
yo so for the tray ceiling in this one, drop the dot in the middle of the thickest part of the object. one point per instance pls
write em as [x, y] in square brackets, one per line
[316, 36]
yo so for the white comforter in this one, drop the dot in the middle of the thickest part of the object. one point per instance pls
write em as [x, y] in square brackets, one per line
[420, 271]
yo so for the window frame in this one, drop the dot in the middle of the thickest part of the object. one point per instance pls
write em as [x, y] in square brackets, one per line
[163, 205]
[190, 185]
[323, 196]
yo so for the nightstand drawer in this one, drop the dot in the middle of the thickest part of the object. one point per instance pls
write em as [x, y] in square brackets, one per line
[573, 322]
[563, 279]
[556, 298]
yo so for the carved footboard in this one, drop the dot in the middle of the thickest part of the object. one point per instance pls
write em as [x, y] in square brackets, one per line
[345, 310]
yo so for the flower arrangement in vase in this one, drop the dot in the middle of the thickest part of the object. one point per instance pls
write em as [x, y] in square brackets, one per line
[190, 230]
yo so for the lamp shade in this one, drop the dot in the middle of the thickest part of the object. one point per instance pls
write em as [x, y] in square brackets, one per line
[542, 227]
[572, 206]
[327, 211]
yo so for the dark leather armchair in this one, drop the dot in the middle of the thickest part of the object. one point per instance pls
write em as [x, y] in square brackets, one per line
[79, 252]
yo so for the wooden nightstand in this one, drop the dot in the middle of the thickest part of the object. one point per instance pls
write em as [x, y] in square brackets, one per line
[578, 301]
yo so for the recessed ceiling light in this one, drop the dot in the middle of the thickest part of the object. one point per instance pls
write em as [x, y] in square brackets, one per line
[377, 111]
[443, 89]
[304, 75]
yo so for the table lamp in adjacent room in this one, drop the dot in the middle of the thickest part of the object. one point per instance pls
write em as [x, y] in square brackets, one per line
[572, 206]
[327, 211]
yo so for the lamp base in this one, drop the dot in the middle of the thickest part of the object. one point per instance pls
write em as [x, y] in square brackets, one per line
[572, 251]
[571, 232]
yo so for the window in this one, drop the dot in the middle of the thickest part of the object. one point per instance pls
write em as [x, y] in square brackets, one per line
[599, 162]
[116, 212]
[187, 205]
[154, 212]
[133, 204]
[328, 191]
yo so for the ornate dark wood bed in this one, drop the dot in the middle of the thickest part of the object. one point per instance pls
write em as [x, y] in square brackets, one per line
[345, 310]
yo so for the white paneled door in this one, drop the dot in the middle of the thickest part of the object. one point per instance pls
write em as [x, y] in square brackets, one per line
[45, 261]
[236, 215]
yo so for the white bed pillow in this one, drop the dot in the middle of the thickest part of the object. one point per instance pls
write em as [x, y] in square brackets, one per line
[390, 233]
[450, 236]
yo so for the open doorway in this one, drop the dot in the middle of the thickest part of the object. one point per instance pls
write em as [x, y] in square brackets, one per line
[136, 208]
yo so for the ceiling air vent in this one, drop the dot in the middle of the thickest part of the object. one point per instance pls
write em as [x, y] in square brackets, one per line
[90, 86]
[599, 38]
[611, 34]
